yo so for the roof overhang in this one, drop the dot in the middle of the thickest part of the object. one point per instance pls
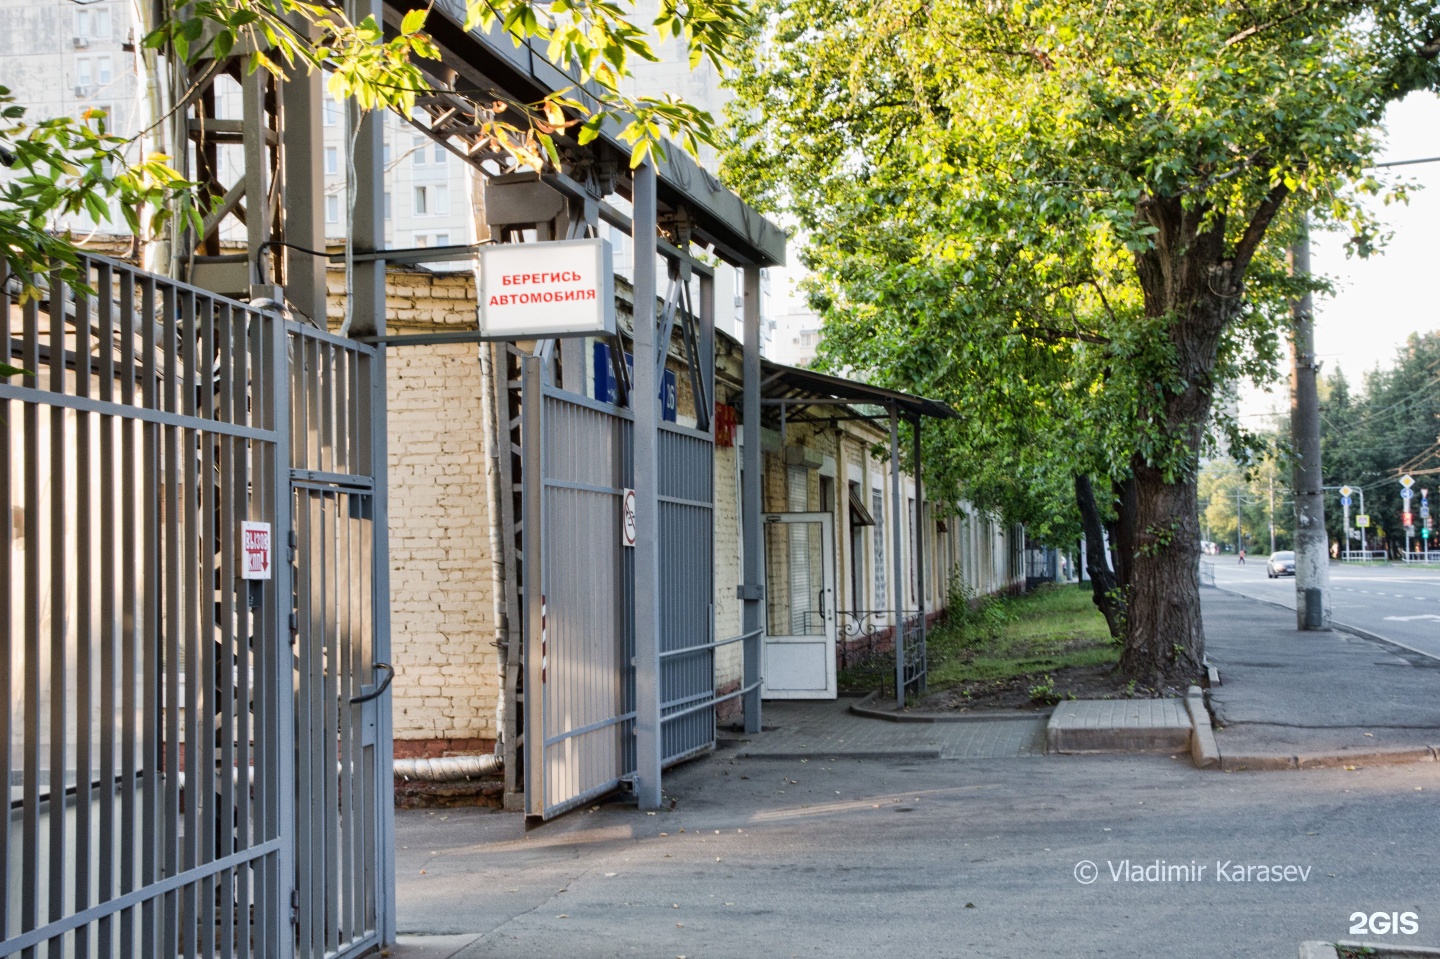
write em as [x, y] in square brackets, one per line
[489, 62]
[795, 387]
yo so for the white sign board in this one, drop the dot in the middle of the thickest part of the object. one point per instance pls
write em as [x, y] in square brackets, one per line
[538, 290]
[627, 520]
[254, 550]
[1345, 491]
[1407, 481]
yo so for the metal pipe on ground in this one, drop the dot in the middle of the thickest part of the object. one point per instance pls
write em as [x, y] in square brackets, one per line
[445, 769]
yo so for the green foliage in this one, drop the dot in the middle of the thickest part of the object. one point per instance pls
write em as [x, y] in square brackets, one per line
[598, 39]
[1389, 427]
[1049, 629]
[1065, 218]
[1225, 481]
[68, 165]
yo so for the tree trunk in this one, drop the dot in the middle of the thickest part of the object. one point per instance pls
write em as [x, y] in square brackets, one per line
[1122, 531]
[1108, 592]
[1193, 286]
[1166, 639]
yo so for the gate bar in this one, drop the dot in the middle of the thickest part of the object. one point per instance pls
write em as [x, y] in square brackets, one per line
[898, 545]
[752, 593]
[648, 738]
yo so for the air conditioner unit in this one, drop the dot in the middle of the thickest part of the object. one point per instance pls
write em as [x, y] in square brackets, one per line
[803, 456]
[83, 90]
[81, 42]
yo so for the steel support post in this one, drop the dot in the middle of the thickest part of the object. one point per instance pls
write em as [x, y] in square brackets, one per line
[752, 592]
[302, 103]
[919, 549]
[533, 506]
[367, 318]
[897, 589]
[272, 503]
[644, 406]
[706, 346]
[257, 173]
[1312, 564]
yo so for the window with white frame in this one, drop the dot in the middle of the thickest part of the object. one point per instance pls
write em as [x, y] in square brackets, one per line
[387, 204]
[439, 154]
[93, 23]
[420, 205]
[331, 112]
[418, 150]
[332, 209]
[332, 161]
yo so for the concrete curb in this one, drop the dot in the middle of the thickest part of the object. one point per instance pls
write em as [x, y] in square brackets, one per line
[863, 708]
[1256, 762]
[842, 754]
[1384, 950]
[1318, 950]
[1203, 751]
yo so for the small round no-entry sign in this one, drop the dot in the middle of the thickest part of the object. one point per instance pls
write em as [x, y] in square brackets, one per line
[627, 522]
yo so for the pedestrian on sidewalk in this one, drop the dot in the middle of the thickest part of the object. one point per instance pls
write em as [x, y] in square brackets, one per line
[1242, 556]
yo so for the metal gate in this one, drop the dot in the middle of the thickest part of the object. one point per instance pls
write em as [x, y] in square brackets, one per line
[340, 788]
[580, 635]
[150, 736]
[687, 592]
[580, 719]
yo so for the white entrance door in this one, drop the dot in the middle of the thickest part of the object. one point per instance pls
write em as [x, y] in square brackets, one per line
[800, 606]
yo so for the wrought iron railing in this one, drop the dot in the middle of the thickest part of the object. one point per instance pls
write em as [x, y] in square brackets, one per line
[867, 648]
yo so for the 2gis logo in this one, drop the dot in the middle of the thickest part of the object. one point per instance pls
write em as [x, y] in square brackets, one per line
[1384, 923]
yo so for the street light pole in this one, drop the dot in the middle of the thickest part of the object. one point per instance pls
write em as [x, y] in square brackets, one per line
[1312, 568]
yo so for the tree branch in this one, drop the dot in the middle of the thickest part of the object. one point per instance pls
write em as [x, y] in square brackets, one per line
[1255, 231]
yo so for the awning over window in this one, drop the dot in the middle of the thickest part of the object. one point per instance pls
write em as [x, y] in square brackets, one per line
[859, 515]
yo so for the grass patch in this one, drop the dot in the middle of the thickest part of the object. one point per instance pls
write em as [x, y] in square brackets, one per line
[1051, 628]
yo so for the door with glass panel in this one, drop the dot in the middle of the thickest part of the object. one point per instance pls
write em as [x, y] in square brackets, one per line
[800, 606]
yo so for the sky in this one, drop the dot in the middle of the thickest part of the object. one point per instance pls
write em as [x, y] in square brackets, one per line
[1379, 301]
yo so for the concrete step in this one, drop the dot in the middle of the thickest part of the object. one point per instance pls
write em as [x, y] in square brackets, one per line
[1119, 726]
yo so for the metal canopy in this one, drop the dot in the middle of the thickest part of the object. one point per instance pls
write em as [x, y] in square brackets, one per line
[489, 64]
[792, 386]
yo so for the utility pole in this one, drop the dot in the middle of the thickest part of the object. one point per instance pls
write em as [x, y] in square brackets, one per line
[1239, 523]
[1312, 567]
[1272, 512]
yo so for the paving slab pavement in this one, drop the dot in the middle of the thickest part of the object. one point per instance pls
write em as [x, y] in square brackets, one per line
[852, 859]
[819, 730]
[1287, 698]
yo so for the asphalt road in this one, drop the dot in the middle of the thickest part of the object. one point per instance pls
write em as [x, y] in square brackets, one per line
[1394, 602]
[1014, 859]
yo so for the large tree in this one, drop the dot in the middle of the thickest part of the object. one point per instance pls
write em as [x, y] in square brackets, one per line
[1106, 181]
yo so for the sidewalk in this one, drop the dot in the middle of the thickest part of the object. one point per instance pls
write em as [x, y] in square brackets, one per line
[828, 730]
[1291, 699]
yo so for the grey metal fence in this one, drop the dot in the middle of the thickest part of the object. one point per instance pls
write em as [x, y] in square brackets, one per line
[580, 638]
[155, 696]
[148, 687]
[687, 591]
[339, 654]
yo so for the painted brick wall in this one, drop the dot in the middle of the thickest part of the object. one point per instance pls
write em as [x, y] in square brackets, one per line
[447, 684]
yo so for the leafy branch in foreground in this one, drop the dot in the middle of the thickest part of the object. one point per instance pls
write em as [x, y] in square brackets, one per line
[596, 38]
[66, 166]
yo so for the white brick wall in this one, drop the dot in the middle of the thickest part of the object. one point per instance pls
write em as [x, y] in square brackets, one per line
[447, 672]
